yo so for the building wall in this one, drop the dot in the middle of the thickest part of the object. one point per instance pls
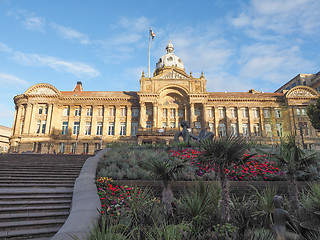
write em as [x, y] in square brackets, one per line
[5, 133]
[50, 121]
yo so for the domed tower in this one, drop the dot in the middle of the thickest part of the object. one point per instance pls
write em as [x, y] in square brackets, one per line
[169, 60]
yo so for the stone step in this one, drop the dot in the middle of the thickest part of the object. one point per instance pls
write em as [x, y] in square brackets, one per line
[17, 185]
[6, 217]
[59, 171]
[29, 233]
[73, 175]
[27, 224]
[28, 209]
[39, 181]
[36, 197]
[18, 178]
[49, 202]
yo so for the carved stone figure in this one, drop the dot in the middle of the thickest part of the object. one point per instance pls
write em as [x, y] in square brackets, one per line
[186, 135]
[281, 217]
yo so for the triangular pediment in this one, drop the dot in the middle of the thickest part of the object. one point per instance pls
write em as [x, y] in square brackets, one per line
[172, 75]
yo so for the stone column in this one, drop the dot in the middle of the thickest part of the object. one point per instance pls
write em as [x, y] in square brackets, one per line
[17, 121]
[263, 134]
[32, 125]
[155, 115]
[205, 116]
[129, 118]
[250, 122]
[142, 115]
[105, 122]
[56, 120]
[117, 121]
[49, 119]
[82, 123]
[191, 114]
[239, 114]
[216, 121]
[27, 118]
[94, 120]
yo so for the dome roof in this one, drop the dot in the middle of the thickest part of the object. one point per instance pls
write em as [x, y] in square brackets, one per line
[170, 60]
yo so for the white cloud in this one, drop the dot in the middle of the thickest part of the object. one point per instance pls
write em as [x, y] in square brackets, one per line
[8, 79]
[5, 48]
[34, 23]
[76, 68]
[140, 24]
[280, 17]
[71, 34]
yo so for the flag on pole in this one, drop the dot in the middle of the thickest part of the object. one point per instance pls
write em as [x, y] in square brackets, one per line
[152, 34]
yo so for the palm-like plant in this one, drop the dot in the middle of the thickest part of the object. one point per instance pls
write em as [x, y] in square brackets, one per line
[292, 158]
[165, 169]
[224, 153]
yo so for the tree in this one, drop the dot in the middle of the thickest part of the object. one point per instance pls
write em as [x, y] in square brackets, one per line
[313, 112]
[224, 153]
[293, 159]
[166, 169]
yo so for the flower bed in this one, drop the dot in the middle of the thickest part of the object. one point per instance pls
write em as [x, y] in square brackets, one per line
[258, 168]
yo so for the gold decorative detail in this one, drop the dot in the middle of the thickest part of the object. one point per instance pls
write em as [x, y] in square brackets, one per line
[173, 75]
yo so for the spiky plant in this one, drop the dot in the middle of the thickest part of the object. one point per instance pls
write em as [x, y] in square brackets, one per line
[165, 169]
[293, 159]
[224, 153]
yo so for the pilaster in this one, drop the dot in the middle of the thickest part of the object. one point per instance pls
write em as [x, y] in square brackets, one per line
[129, 118]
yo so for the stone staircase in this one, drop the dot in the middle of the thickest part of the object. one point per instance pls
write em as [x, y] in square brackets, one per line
[36, 193]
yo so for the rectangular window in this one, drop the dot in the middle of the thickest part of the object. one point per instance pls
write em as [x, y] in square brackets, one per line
[77, 111]
[148, 124]
[279, 130]
[66, 111]
[233, 112]
[111, 129]
[112, 112]
[97, 146]
[73, 148]
[172, 125]
[164, 125]
[245, 130]
[210, 113]
[87, 129]
[46, 110]
[197, 124]
[197, 112]
[44, 123]
[256, 129]
[62, 147]
[255, 113]
[148, 111]
[234, 129]
[222, 130]
[76, 128]
[211, 127]
[164, 112]
[89, 112]
[85, 148]
[100, 111]
[303, 128]
[123, 112]
[38, 126]
[64, 128]
[181, 113]
[298, 112]
[99, 128]
[266, 113]
[303, 112]
[277, 113]
[267, 127]
[221, 113]
[40, 110]
[172, 112]
[134, 129]
[244, 113]
[122, 129]
[135, 112]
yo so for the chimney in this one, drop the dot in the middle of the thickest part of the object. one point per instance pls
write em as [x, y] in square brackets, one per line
[78, 87]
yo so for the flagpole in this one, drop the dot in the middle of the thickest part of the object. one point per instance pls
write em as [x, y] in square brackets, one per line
[149, 51]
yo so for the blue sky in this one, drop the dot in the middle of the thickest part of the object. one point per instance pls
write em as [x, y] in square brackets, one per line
[238, 44]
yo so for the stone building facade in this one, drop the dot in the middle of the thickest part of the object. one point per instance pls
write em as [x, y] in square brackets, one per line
[5, 133]
[78, 121]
